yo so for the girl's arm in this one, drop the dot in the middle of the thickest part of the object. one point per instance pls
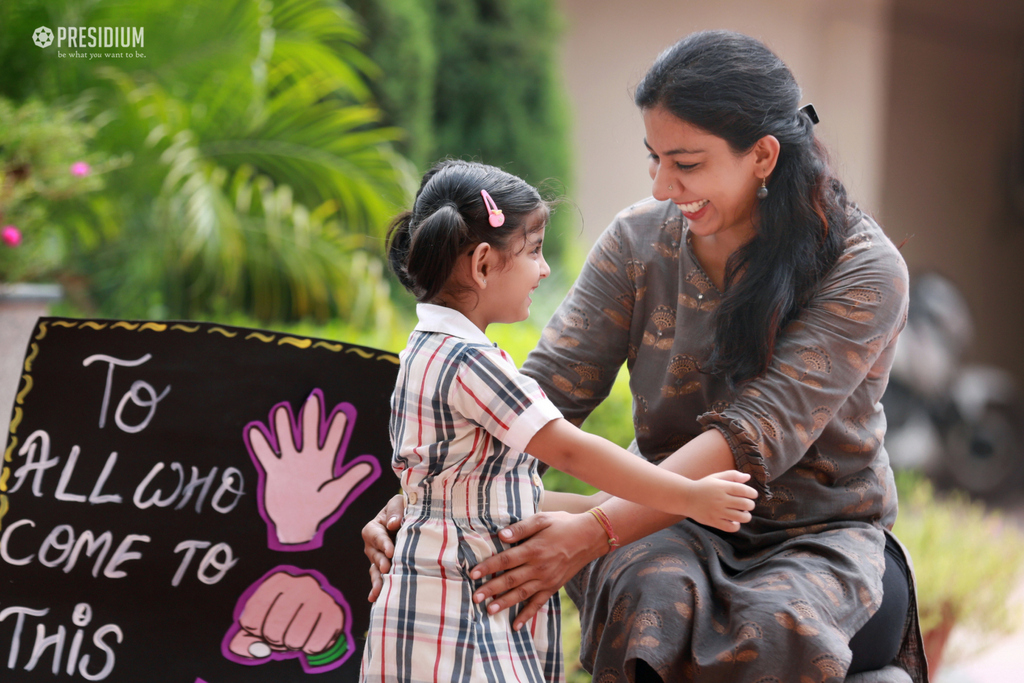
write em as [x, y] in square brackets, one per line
[571, 502]
[599, 462]
[704, 455]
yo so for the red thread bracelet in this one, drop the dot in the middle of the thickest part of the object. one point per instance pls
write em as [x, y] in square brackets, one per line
[602, 518]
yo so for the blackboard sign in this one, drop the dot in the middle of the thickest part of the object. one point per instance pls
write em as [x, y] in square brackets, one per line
[182, 502]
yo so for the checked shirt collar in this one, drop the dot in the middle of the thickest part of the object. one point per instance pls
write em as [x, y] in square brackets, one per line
[434, 318]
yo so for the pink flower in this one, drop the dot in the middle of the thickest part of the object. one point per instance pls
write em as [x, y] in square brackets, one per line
[80, 168]
[11, 236]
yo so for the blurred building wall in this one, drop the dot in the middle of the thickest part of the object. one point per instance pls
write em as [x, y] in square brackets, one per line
[917, 100]
[838, 52]
[956, 90]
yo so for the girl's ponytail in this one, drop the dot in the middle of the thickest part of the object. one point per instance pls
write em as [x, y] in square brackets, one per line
[434, 249]
[399, 239]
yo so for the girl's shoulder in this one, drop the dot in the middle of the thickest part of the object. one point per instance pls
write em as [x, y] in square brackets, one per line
[492, 354]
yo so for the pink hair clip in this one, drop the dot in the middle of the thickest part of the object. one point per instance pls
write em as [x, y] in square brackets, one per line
[494, 215]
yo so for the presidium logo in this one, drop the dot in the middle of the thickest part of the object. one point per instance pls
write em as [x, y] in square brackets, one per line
[42, 36]
[93, 37]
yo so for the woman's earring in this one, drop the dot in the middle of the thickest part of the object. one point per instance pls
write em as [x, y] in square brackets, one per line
[762, 191]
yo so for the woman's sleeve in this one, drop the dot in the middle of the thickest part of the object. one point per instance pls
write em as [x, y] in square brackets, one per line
[842, 340]
[491, 393]
[587, 339]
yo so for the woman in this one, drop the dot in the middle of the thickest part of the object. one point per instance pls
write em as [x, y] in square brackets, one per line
[757, 311]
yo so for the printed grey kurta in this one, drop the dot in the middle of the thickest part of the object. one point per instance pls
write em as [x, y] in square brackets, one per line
[780, 599]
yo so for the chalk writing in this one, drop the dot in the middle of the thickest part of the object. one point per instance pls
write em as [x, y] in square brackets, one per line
[211, 559]
[69, 549]
[76, 661]
[132, 394]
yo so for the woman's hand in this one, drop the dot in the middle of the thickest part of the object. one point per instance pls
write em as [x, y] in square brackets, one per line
[378, 542]
[557, 546]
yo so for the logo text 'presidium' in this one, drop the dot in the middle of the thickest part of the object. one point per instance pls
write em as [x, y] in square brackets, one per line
[100, 36]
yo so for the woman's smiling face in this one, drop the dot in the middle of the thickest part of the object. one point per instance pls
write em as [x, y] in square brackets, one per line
[714, 187]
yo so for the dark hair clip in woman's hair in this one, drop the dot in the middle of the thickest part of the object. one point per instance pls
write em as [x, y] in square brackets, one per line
[494, 215]
[809, 110]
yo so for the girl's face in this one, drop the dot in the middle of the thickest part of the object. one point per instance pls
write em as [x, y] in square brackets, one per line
[713, 186]
[512, 284]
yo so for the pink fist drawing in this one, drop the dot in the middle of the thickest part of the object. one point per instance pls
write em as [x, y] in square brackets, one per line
[291, 613]
[304, 483]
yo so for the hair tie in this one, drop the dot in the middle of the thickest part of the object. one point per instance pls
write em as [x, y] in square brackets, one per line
[808, 109]
[494, 215]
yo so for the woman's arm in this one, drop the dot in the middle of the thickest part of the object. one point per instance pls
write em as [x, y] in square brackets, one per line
[827, 373]
[586, 342]
[555, 546]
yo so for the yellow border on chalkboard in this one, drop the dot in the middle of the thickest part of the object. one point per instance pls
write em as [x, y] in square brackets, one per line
[266, 338]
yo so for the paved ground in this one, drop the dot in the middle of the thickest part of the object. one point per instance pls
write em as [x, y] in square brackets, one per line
[999, 663]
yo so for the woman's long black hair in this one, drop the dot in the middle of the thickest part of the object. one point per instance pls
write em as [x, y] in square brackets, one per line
[732, 86]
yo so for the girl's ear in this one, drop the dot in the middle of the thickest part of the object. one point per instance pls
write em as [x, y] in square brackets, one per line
[766, 155]
[480, 264]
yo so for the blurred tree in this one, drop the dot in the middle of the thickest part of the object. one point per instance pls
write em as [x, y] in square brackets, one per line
[257, 174]
[497, 93]
[402, 44]
[477, 79]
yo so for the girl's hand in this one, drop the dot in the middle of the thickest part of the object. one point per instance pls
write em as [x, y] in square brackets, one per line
[721, 501]
[379, 544]
[557, 545]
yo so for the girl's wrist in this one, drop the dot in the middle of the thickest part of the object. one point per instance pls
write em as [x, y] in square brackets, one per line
[690, 491]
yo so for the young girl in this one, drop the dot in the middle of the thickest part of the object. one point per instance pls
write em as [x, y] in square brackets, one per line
[468, 430]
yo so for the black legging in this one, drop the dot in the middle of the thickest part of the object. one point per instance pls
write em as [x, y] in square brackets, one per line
[877, 642]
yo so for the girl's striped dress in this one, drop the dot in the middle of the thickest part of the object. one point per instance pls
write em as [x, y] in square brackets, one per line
[462, 415]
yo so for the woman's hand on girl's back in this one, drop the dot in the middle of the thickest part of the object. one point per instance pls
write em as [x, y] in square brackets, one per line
[555, 546]
[721, 500]
[379, 544]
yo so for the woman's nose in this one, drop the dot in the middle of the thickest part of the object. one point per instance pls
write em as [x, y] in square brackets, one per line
[545, 269]
[663, 187]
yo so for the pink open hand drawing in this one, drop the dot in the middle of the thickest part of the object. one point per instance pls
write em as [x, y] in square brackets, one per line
[304, 482]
